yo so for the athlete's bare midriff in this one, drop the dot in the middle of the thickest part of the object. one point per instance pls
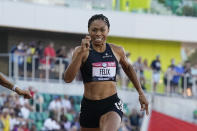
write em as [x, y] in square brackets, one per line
[99, 90]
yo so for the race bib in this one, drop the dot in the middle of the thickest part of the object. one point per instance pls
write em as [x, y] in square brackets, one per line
[104, 69]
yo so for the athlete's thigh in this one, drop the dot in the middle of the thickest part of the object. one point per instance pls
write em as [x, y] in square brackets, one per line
[89, 129]
[110, 121]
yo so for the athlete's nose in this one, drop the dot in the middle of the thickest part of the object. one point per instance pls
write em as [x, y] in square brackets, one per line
[98, 33]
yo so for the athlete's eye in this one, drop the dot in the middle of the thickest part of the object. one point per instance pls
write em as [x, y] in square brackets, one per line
[94, 30]
[102, 30]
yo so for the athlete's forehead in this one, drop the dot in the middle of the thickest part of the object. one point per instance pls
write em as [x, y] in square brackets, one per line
[98, 24]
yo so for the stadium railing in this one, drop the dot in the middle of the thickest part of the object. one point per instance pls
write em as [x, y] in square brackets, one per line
[51, 69]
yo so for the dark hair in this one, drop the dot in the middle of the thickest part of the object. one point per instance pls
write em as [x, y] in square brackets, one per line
[98, 17]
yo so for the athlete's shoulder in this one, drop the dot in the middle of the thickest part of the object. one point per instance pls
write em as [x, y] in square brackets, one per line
[118, 49]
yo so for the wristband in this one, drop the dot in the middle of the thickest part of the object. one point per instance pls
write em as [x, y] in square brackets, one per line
[14, 87]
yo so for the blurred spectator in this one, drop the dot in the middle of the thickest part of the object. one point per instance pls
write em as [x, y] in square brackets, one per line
[2, 99]
[19, 54]
[179, 70]
[11, 100]
[75, 122]
[65, 102]
[30, 53]
[141, 114]
[39, 53]
[49, 51]
[13, 120]
[145, 62]
[139, 68]
[70, 54]
[32, 91]
[61, 52]
[24, 126]
[125, 125]
[63, 62]
[48, 60]
[187, 79]
[24, 107]
[65, 124]
[39, 101]
[1, 123]
[72, 111]
[74, 128]
[25, 111]
[34, 102]
[168, 76]
[55, 104]
[134, 118]
[156, 67]
[12, 50]
[17, 110]
[23, 101]
[194, 76]
[5, 118]
[33, 127]
[124, 80]
[51, 123]
[38, 58]
[194, 71]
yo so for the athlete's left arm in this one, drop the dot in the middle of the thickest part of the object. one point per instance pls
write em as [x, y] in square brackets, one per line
[130, 72]
[10, 86]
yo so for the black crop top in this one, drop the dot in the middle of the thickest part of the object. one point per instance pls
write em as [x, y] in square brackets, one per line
[100, 66]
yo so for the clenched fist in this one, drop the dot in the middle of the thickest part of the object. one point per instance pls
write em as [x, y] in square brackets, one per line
[25, 93]
[85, 44]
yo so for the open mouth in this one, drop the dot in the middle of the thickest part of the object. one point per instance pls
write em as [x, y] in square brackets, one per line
[98, 39]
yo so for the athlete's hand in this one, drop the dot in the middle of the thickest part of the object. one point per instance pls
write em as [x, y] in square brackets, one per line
[26, 94]
[85, 44]
[144, 104]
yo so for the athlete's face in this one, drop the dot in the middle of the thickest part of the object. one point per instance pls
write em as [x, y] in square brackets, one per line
[98, 32]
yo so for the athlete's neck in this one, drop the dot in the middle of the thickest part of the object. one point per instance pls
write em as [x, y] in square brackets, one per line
[99, 47]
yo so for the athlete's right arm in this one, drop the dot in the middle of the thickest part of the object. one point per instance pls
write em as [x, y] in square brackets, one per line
[7, 84]
[79, 55]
